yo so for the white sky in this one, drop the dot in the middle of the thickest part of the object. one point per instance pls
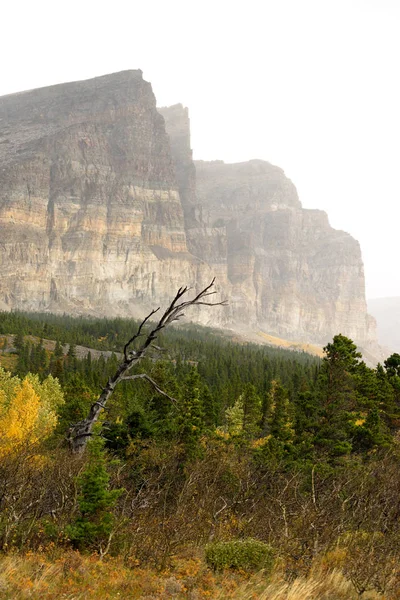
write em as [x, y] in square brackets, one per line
[310, 85]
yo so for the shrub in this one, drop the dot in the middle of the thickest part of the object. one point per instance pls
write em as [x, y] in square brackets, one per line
[248, 554]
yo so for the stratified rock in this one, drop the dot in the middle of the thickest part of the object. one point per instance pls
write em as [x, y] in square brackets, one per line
[100, 213]
[302, 277]
[90, 212]
[291, 273]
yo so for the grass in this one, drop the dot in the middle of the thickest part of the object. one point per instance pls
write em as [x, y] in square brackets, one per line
[69, 575]
[299, 346]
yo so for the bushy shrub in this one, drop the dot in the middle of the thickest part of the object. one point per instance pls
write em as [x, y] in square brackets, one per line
[248, 554]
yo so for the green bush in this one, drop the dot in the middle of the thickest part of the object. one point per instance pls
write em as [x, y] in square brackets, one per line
[249, 555]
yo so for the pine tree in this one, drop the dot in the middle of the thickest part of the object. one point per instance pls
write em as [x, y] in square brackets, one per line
[191, 415]
[19, 342]
[338, 396]
[280, 423]
[56, 366]
[370, 434]
[92, 529]
[251, 410]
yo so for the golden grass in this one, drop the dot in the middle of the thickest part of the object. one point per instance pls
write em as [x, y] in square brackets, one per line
[69, 575]
[331, 585]
[74, 576]
[299, 346]
[322, 585]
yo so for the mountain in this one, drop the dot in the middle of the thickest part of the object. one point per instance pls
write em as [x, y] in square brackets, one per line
[102, 210]
[387, 314]
[290, 272]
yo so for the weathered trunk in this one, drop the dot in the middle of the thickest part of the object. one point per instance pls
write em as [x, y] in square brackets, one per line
[80, 433]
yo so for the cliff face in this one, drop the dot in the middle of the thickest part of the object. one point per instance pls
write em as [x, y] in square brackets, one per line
[303, 278]
[100, 211]
[290, 273]
[90, 212]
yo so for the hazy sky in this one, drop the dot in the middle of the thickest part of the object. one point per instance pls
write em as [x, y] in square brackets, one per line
[310, 85]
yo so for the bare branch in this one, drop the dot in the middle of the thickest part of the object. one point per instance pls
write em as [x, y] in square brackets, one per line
[83, 430]
[138, 333]
[158, 348]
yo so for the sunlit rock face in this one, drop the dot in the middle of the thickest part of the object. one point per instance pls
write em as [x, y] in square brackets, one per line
[102, 210]
[90, 213]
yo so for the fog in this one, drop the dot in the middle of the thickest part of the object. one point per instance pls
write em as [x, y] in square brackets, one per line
[310, 86]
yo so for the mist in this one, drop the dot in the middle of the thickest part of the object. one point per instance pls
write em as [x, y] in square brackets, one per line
[310, 86]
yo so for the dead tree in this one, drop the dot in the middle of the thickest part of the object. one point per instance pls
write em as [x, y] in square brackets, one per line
[80, 433]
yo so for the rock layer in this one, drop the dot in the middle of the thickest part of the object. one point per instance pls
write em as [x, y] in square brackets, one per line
[90, 212]
[290, 273]
[100, 211]
[303, 278]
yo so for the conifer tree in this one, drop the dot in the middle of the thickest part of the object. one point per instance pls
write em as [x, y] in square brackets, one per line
[337, 393]
[92, 529]
[251, 410]
[210, 408]
[280, 423]
[234, 418]
[19, 342]
[191, 416]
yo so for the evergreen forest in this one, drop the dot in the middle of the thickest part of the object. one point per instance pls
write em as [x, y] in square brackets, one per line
[247, 471]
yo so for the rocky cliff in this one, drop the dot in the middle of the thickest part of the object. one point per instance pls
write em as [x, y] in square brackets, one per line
[302, 277]
[103, 210]
[90, 213]
[290, 272]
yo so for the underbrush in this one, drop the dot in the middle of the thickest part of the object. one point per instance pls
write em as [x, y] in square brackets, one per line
[55, 575]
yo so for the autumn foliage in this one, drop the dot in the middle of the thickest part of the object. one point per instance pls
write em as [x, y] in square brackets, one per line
[28, 410]
[254, 459]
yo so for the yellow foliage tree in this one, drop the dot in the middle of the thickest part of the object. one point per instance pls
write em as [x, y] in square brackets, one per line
[27, 410]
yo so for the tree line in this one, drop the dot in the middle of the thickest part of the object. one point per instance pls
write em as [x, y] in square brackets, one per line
[245, 442]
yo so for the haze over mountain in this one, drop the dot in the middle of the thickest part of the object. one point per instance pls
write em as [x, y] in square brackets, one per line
[265, 80]
[100, 212]
[387, 314]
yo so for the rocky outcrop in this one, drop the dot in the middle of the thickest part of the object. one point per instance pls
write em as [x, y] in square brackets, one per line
[103, 210]
[302, 277]
[290, 272]
[90, 213]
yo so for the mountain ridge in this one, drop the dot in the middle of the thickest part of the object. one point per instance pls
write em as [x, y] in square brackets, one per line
[104, 211]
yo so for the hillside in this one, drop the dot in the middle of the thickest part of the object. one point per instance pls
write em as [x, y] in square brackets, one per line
[243, 471]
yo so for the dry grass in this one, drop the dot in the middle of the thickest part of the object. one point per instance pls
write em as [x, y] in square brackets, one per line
[8, 361]
[320, 586]
[72, 576]
[299, 346]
